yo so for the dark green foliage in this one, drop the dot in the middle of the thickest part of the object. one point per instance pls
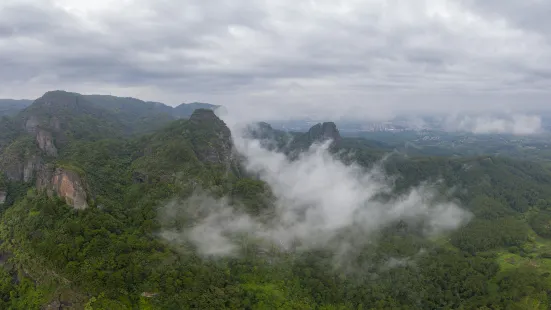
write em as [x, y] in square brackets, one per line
[99, 159]
[9, 130]
[482, 235]
[77, 117]
[507, 182]
[524, 288]
[20, 150]
[113, 256]
[541, 223]
[138, 115]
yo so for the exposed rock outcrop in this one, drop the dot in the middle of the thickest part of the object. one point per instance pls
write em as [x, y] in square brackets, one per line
[30, 168]
[44, 137]
[64, 183]
[31, 124]
[259, 131]
[318, 133]
[211, 138]
[45, 142]
[3, 195]
[22, 170]
[323, 132]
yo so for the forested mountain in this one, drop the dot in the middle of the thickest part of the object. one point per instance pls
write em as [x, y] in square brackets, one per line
[136, 116]
[104, 205]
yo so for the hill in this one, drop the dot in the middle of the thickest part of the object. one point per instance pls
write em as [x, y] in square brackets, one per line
[136, 115]
[97, 213]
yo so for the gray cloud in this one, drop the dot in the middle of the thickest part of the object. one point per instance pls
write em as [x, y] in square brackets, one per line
[517, 124]
[322, 56]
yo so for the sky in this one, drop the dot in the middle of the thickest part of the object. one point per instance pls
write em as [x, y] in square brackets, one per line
[325, 58]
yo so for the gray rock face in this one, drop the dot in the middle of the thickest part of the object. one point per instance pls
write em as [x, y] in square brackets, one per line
[22, 171]
[30, 168]
[3, 196]
[211, 138]
[325, 131]
[45, 142]
[55, 124]
[31, 124]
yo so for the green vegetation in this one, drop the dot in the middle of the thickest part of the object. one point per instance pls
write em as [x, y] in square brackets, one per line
[113, 255]
[462, 144]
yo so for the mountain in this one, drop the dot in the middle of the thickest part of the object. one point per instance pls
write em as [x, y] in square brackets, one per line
[102, 208]
[318, 133]
[202, 141]
[140, 116]
[49, 129]
[185, 110]
[98, 174]
[10, 107]
[136, 115]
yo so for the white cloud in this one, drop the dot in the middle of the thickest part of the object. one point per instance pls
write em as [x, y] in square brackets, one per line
[327, 57]
[517, 124]
[317, 198]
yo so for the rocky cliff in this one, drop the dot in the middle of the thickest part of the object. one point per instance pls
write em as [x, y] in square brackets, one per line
[318, 133]
[20, 160]
[322, 132]
[203, 141]
[45, 141]
[3, 195]
[211, 138]
[64, 183]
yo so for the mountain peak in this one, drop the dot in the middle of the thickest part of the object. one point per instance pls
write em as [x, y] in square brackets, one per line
[186, 109]
[201, 115]
[324, 131]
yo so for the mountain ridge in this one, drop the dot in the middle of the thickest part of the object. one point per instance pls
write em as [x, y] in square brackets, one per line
[10, 107]
[98, 213]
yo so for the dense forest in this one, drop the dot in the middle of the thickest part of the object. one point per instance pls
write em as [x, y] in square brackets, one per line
[96, 199]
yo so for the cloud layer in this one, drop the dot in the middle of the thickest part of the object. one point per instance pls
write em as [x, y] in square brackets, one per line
[320, 202]
[516, 124]
[330, 57]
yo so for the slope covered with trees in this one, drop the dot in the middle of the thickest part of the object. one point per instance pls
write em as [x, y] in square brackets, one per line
[123, 252]
[9, 107]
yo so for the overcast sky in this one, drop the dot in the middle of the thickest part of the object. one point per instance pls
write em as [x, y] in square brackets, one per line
[368, 57]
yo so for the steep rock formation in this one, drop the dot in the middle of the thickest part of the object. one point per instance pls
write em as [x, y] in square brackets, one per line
[64, 183]
[270, 138]
[31, 124]
[259, 131]
[211, 138]
[318, 133]
[45, 142]
[322, 132]
[30, 168]
[3, 195]
[21, 170]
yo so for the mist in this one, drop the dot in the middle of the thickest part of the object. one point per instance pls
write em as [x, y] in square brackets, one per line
[320, 202]
[510, 123]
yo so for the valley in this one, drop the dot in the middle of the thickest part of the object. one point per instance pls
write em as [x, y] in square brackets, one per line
[118, 203]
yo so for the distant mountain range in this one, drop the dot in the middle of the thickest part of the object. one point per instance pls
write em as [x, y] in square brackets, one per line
[133, 107]
[132, 110]
[478, 123]
[10, 107]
